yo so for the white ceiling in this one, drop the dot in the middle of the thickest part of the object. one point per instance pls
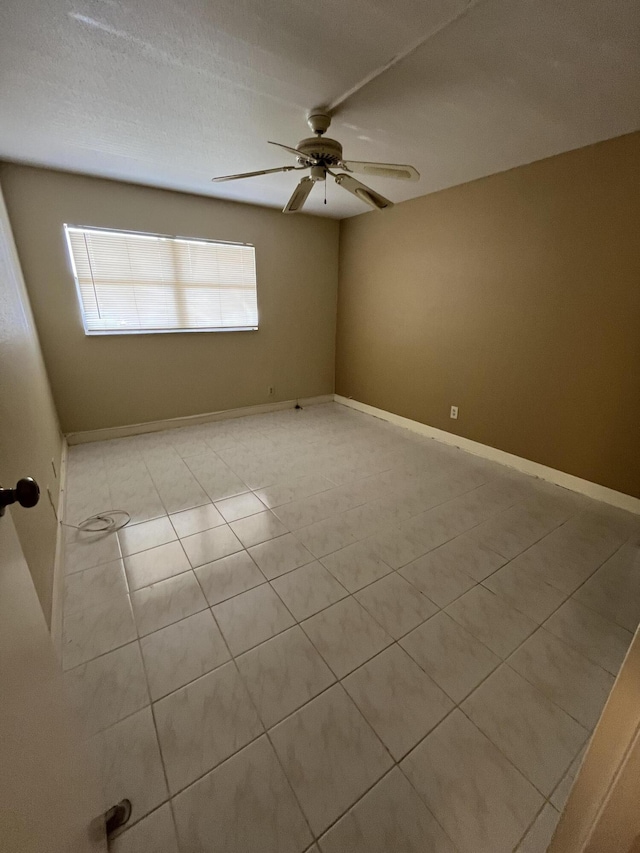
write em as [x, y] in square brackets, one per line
[172, 92]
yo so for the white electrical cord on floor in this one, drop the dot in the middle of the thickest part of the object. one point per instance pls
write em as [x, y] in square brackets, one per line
[103, 522]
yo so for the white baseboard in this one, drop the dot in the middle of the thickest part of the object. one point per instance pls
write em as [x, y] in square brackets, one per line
[526, 466]
[190, 420]
[57, 591]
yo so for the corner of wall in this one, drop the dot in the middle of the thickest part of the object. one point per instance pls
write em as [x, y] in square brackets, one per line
[30, 439]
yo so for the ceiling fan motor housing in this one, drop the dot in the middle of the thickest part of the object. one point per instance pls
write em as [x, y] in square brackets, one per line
[318, 151]
[319, 121]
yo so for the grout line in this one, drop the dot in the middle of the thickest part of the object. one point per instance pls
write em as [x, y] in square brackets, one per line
[298, 623]
[275, 751]
[353, 594]
[545, 803]
[339, 679]
[157, 734]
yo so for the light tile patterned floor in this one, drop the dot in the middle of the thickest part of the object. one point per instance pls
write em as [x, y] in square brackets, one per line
[321, 632]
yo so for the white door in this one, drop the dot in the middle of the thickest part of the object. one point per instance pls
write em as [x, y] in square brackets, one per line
[48, 798]
[602, 814]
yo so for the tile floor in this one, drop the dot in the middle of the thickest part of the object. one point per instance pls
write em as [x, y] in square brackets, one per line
[322, 632]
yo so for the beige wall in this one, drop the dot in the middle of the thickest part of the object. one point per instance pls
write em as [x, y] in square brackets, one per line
[29, 433]
[114, 380]
[516, 298]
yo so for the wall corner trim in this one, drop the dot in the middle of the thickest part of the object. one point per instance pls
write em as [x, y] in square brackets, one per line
[526, 466]
[190, 420]
[57, 591]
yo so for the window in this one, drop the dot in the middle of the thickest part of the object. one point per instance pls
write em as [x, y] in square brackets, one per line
[131, 283]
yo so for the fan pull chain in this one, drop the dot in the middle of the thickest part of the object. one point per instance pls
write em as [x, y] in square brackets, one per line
[325, 191]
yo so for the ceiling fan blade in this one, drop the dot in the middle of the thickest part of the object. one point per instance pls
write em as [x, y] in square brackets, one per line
[383, 170]
[255, 174]
[366, 194]
[290, 149]
[297, 200]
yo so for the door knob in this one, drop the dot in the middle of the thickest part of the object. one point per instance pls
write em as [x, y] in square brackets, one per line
[26, 493]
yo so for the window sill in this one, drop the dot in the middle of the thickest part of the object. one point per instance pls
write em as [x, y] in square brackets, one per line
[120, 333]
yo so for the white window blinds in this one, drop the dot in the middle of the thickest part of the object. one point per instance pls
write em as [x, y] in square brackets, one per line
[131, 283]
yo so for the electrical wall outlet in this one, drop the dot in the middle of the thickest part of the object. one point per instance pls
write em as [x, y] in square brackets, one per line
[271, 390]
[454, 413]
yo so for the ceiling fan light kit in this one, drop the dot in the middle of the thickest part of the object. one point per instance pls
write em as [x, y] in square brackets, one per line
[320, 155]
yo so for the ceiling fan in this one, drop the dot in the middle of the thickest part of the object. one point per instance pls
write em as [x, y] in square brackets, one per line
[321, 156]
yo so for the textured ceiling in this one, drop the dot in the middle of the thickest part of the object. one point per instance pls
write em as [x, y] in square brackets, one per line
[172, 92]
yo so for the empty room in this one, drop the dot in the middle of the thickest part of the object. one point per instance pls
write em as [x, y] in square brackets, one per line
[319, 493]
